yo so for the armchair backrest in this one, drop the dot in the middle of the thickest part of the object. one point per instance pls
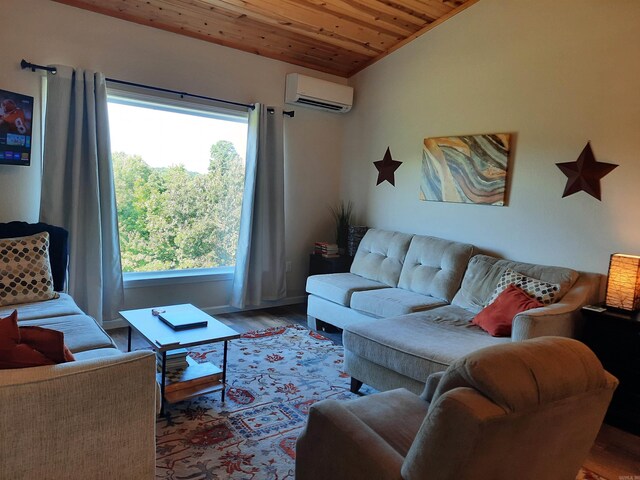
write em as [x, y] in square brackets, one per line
[58, 246]
[533, 406]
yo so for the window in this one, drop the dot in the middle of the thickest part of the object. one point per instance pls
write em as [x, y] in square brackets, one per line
[179, 177]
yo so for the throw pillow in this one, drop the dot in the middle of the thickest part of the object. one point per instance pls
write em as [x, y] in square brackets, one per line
[25, 271]
[22, 347]
[546, 293]
[497, 318]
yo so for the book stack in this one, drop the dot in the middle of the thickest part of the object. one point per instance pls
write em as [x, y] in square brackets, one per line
[327, 250]
[196, 378]
[176, 359]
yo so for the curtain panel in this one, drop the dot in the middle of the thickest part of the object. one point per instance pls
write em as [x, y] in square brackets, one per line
[260, 260]
[78, 190]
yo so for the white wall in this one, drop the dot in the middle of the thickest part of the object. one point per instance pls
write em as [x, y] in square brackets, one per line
[45, 32]
[556, 74]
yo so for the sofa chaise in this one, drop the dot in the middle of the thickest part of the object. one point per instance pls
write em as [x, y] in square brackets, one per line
[407, 304]
[90, 418]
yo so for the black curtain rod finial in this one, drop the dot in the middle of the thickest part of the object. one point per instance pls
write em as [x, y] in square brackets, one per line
[24, 64]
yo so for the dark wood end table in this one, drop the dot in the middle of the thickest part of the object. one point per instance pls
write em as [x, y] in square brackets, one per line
[614, 336]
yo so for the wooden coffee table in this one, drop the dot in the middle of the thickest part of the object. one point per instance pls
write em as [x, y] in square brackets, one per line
[197, 378]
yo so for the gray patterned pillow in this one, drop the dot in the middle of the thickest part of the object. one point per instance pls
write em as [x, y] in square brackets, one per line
[546, 293]
[25, 271]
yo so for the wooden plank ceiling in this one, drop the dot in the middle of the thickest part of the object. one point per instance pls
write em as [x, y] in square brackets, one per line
[334, 36]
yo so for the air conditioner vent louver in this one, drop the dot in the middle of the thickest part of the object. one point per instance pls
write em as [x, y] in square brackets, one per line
[315, 103]
[320, 94]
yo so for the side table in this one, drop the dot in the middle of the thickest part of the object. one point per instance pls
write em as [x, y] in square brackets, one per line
[614, 336]
[319, 264]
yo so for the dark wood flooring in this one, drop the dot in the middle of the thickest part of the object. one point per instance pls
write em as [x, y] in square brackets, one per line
[615, 454]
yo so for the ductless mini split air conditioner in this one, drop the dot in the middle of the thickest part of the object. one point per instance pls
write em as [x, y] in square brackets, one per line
[315, 93]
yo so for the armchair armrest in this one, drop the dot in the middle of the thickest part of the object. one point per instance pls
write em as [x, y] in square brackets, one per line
[559, 319]
[430, 386]
[91, 418]
[331, 431]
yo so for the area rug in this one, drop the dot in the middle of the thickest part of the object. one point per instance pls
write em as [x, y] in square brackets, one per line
[274, 376]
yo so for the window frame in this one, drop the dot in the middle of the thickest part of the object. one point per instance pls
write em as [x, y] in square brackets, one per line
[165, 101]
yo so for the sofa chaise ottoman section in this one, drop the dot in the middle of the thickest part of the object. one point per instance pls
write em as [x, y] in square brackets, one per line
[57, 307]
[413, 346]
[339, 287]
[81, 332]
[389, 302]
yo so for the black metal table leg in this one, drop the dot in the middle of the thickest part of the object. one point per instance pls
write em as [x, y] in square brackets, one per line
[224, 370]
[162, 384]
[129, 340]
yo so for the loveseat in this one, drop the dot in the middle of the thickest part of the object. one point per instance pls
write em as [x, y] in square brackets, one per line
[406, 306]
[89, 418]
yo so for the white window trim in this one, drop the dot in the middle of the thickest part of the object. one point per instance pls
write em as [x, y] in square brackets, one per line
[176, 277]
[131, 95]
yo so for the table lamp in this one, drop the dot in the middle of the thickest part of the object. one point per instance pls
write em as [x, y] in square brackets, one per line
[623, 284]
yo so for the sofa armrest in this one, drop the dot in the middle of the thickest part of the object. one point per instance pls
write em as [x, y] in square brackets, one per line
[430, 386]
[91, 418]
[559, 319]
[331, 431]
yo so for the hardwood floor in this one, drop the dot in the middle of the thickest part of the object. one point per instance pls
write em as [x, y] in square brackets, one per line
[615, 454]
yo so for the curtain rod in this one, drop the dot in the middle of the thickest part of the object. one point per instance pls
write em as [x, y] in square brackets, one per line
[24, 65]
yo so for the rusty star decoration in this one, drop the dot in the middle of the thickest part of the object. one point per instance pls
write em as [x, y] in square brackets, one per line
[585, 173]
[386, 168]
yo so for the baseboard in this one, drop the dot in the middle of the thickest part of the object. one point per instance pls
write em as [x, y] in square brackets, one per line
[120, 323]
[277, 303]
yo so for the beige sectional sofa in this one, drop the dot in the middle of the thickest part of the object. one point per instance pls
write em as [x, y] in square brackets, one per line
[407, 304]
[87, 419]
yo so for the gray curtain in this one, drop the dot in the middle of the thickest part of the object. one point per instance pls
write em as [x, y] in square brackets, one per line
[260, 260]
[77, 187]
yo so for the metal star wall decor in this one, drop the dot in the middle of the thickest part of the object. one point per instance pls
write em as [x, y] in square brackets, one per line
[386, 168]
[585, 173]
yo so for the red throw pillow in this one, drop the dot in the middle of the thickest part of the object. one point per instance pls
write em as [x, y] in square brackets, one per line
[48, 342]
[22, 347]
[497, 317]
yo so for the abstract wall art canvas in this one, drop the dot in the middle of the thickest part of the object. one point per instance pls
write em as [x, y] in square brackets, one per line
[465, 169]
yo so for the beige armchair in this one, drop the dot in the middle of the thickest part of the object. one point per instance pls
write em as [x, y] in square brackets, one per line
[526, 410]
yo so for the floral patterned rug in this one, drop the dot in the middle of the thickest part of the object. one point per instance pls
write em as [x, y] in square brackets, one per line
[273, 377]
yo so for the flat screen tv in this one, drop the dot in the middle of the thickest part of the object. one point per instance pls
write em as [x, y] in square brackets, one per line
[16, 114]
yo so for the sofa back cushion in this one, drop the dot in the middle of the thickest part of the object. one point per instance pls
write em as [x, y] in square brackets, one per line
[25, 271]
[58, 246]
[434, 266]
[484, 272]
[380, 256]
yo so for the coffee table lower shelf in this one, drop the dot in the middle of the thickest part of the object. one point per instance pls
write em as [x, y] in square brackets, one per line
[189, 382]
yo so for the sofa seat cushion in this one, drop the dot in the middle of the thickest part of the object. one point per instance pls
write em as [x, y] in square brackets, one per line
[390, 302]
[98, 353]
[418, 344]
[434, 266]
[380, 413]
[56, 307]
[380, 256]
[81, 332]
[338, 287]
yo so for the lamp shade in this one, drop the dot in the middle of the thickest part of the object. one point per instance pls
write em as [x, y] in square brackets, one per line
[623, 285]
